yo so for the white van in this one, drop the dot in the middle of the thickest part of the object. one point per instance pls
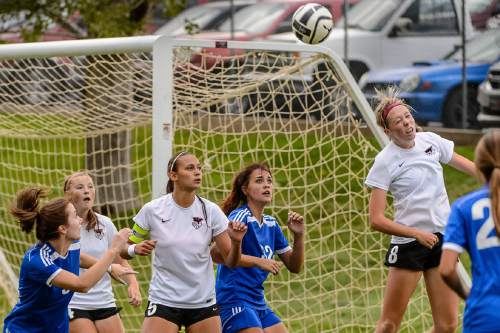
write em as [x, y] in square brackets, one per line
[390, 33]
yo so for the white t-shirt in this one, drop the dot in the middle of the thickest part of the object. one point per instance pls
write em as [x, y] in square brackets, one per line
[183, 273]
[415, 178]
[96, 244]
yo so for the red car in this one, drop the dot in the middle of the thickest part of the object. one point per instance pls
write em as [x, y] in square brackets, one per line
[258, 21]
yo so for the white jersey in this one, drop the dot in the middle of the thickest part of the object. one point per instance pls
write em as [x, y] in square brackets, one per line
[183, 272]
[415, 178]
[96, 244]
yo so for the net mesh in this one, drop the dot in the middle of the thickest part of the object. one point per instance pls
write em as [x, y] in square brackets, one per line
[63, 114]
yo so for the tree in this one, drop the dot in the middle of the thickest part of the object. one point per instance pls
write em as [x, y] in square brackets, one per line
[107, 155]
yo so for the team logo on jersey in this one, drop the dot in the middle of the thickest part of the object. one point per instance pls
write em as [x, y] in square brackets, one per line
[429, 150]
[197, 222]
[99, 233]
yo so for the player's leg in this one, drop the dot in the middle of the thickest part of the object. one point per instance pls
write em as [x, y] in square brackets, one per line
[158, 325]
[401, 284]
[159, 318]
[276, 328]
[444, 302]
[111, 324]
[82, 325]
[209, 325]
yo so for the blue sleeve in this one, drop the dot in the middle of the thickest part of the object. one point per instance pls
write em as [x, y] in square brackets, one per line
[455, 237]
[280, 243]
[41, 268]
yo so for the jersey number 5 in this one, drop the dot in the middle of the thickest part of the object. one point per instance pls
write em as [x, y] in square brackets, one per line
[482, 239]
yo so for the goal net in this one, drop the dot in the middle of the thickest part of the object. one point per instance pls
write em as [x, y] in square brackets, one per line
[120, 107]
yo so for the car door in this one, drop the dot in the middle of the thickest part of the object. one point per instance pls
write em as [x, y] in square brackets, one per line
[428, 29]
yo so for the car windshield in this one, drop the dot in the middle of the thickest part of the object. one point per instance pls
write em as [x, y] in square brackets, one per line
[255, 19]
[483, 48]
[199, 15]
[370, 15]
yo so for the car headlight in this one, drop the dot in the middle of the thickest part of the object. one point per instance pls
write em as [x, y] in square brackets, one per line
[409, 83]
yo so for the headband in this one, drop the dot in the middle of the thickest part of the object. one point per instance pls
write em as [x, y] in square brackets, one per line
[388, 109]
[182, 153]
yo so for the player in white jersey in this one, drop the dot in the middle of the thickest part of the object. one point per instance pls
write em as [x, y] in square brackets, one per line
[474, 226]
[240, 290]
[95, 311]
[49, 271]
[184, 225]
[410, 168]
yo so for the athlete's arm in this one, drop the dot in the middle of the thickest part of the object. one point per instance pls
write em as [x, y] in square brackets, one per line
[265, 264]
[294, 259]
[378, 221]
[463, 164]
[229, 243]
[448, 271]
[94, 273]
[134, 293]
[138, 244]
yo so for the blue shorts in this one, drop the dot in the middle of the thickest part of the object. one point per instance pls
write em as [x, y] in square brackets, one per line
[242, 316]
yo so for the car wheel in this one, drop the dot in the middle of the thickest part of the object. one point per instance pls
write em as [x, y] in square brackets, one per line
[452, 112]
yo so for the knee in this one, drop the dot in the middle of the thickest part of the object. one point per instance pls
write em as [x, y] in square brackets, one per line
[387, 326]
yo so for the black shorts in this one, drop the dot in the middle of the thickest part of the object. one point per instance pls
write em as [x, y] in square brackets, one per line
[181, 317]
[92, 315]
[414, 256]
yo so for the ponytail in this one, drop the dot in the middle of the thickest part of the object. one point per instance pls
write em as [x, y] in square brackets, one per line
[45, 219]
[25, 209]
[487, 161]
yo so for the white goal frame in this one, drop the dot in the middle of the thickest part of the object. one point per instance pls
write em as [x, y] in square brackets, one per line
[161, 48]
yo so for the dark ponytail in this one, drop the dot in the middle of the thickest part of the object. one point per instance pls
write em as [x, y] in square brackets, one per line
[236, 197]
[487, 161]
[47, 219]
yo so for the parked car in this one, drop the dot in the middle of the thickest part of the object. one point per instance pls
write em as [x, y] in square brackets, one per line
[489, 98]
[434, 88]
[258, 21]
[481, 11]
[389, 33]
[202, 17]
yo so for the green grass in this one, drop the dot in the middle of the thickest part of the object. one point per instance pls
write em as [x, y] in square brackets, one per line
[341, 287]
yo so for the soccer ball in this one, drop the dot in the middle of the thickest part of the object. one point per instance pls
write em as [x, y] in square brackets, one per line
[312, 23]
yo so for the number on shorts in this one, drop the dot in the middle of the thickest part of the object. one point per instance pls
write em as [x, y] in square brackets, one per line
[71, 313]
[393, 255]
[482, 239]
[151, 309]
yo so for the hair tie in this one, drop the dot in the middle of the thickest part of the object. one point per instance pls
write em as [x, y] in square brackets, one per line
[388, 109]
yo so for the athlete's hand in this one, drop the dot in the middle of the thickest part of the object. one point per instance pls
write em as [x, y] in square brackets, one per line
[236, 230]
[118, 271]
[296, 223]
[269, 265]
[145, 248]
[134, 295]
[427, 239]
[120, 240]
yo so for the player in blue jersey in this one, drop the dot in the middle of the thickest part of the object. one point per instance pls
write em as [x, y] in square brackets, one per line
[49, 270]
[240, 290]
[474, 226]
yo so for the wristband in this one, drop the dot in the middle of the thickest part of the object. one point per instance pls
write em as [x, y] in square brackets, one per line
[131, 250]
[109, 269]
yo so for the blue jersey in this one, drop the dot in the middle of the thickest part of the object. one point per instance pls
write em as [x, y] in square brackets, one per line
[241, 284]
[471, 228]
[42, 307]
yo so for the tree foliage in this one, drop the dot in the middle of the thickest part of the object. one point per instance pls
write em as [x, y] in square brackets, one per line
[81, 18]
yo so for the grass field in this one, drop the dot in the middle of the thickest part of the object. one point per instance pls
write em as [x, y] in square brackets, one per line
[341, 287]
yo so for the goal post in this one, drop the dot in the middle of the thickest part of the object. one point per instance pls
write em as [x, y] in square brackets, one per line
[120, 107]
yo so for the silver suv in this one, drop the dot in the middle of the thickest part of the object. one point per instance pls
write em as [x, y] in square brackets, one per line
[489, 98]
